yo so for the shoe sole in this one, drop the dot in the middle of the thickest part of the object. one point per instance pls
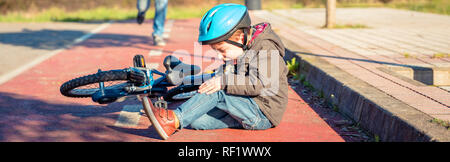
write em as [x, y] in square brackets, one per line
[151, 116]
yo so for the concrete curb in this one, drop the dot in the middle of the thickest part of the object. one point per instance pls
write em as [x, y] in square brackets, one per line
[374, 110]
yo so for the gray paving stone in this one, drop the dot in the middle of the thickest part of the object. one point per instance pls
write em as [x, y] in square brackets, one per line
[394, 38]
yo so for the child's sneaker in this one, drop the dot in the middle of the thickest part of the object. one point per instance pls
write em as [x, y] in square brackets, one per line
[163, 120]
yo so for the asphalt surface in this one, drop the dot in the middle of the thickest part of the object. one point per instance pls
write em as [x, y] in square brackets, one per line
[32, 108]
[21, 43]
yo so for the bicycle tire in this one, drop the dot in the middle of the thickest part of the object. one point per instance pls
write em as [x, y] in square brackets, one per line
[67, 88]
[169, 96]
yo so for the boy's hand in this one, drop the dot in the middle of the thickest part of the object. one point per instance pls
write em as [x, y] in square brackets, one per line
[210, 86]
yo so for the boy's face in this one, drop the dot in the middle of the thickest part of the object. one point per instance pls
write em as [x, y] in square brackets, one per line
[227, 51]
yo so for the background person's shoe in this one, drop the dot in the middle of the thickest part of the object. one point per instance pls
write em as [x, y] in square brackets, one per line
[158, 41]
[140, 17]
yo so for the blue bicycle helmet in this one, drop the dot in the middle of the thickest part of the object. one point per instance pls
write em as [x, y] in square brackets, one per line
[221, 21]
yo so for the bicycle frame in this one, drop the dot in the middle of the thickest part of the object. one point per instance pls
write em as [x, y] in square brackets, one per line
[159, 85]
[152, 87]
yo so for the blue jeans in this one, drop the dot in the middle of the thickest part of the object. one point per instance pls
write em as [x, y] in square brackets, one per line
[160, 14]
[219, 110]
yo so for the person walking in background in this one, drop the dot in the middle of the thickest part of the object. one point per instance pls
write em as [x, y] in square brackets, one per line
[158, 20]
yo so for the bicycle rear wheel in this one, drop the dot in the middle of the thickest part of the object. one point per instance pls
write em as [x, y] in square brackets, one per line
[87, 85]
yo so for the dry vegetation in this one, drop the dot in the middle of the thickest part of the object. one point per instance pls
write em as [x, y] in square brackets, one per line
[94, 10]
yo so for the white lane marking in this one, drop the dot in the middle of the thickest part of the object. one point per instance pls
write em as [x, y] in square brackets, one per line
[152, 65]
[96, 30]
[155, 52]
[168, 29]
[166, 35]
[8, 76]
[169, 25]
[129, 116]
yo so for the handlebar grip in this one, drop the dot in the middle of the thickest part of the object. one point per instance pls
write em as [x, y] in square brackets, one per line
[136, 76]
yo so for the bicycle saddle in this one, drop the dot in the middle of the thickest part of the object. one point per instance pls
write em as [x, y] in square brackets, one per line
[177, 70]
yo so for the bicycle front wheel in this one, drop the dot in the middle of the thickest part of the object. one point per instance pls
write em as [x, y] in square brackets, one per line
[87, 85]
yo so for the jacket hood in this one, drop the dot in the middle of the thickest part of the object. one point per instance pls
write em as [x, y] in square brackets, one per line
[264, 32]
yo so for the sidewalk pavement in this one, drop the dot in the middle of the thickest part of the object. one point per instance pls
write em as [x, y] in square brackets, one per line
[397, 50]
[32, 108]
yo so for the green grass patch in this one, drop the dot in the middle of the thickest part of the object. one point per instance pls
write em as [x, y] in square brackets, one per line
[350, 26]
[308, 85]
[98, 14]
[293, 70]
[359, 5]
[443, 123]
[335, 108]
[302, 77]
[408, 55]
[186, 12]
[293, 66]
[321, 95]
[440, 55]
[57, 14]
[272, 5]
[197, 10]
[377, 138]
[432, 6]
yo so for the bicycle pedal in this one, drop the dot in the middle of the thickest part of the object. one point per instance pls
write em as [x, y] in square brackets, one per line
[161, 103]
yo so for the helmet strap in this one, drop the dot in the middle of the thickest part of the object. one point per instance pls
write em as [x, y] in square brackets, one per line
[243, 46]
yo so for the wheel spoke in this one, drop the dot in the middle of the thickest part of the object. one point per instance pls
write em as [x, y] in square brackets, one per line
[92, 88]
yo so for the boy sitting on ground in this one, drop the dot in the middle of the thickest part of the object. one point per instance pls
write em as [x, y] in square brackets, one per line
[252, 95]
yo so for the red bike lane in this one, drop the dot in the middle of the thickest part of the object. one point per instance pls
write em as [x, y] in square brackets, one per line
[32, 108]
